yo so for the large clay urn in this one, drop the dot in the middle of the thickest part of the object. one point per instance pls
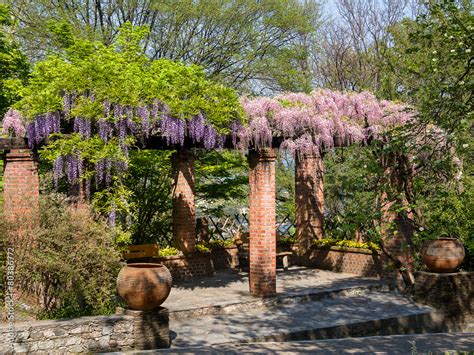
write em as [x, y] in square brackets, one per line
[443, 255]
[144, 286]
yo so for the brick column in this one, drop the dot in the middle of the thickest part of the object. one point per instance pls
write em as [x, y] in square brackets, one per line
[309, 199]
[184, 214]
[262, 223]
[21, 186]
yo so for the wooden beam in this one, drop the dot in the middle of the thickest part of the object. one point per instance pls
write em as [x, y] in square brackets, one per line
[156, 143]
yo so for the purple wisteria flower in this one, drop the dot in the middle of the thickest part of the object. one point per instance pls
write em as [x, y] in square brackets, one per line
[83, 127]
[104, 129]
[210, 137]
[112, 215]
[144, 114]
[107, 106]
[108, 172]
[155, 107]
[196, 128]
[173, 129]
[69, 100]
[58, 170]
[100, 171]
[72, 169]
[42, 126]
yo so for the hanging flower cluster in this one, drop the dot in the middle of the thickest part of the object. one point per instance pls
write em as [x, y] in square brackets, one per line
[12, 123]
[323, 118]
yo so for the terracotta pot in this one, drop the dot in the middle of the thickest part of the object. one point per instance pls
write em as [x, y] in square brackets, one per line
[144, 286]
[443, 255]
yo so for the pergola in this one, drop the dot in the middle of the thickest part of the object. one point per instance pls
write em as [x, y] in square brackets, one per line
[21, 195]
[304, 124]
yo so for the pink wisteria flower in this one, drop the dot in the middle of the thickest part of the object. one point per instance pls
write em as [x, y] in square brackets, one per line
[323, 118]
[12, 124]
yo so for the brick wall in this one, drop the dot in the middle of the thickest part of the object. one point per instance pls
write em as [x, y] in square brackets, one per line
[192, 265]
[348, 260]
[309, 199]
[225, 258]
[21, 185]
[184, 213]
[130, 330]
[262, 223]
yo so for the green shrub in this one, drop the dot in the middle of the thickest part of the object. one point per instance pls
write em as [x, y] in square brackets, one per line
[68, 265]
[202, 247]
[329, 242]
[168, 251]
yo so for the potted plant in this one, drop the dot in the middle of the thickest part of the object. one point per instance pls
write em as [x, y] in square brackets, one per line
[143, 285]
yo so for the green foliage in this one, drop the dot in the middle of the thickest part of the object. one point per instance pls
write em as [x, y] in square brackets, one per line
[201, 247]
[344, 243]
[13, 63]
[285, 185]
[430, 64]
[71, 269]
[221, 182]
[168, 251]
[123, 75]
[351, 189]
[431, 60]
[150, 183]
[207, 247]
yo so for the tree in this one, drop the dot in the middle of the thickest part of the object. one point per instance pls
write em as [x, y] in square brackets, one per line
[349, 55]
[13, 63]
[232, 39]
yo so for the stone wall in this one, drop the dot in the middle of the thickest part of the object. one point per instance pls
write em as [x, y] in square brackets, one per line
[349, 260]
[452, 294]
[130, 330]
[193, 265]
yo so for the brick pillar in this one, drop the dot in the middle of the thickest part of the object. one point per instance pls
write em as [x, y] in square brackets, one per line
[184, 214]
[21, 186]
[309, 200]
[262, 223]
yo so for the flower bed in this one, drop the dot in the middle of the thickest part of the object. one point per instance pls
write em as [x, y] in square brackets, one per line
[358, 261]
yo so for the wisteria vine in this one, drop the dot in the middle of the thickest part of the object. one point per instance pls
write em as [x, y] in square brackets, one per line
[324, 118]
[307, 122]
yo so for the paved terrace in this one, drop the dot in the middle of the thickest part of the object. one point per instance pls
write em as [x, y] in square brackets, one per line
[229, 287]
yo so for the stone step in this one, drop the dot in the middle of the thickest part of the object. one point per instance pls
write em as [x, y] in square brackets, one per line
[283, 299]
[337, 315]
[437, 343]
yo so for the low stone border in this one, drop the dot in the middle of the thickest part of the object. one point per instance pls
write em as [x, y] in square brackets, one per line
[356, 261]
[452, 294]
[128, 330]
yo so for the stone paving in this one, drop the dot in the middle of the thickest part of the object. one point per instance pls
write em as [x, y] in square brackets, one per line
[230, 287]
[284, 322]
[441, 343]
